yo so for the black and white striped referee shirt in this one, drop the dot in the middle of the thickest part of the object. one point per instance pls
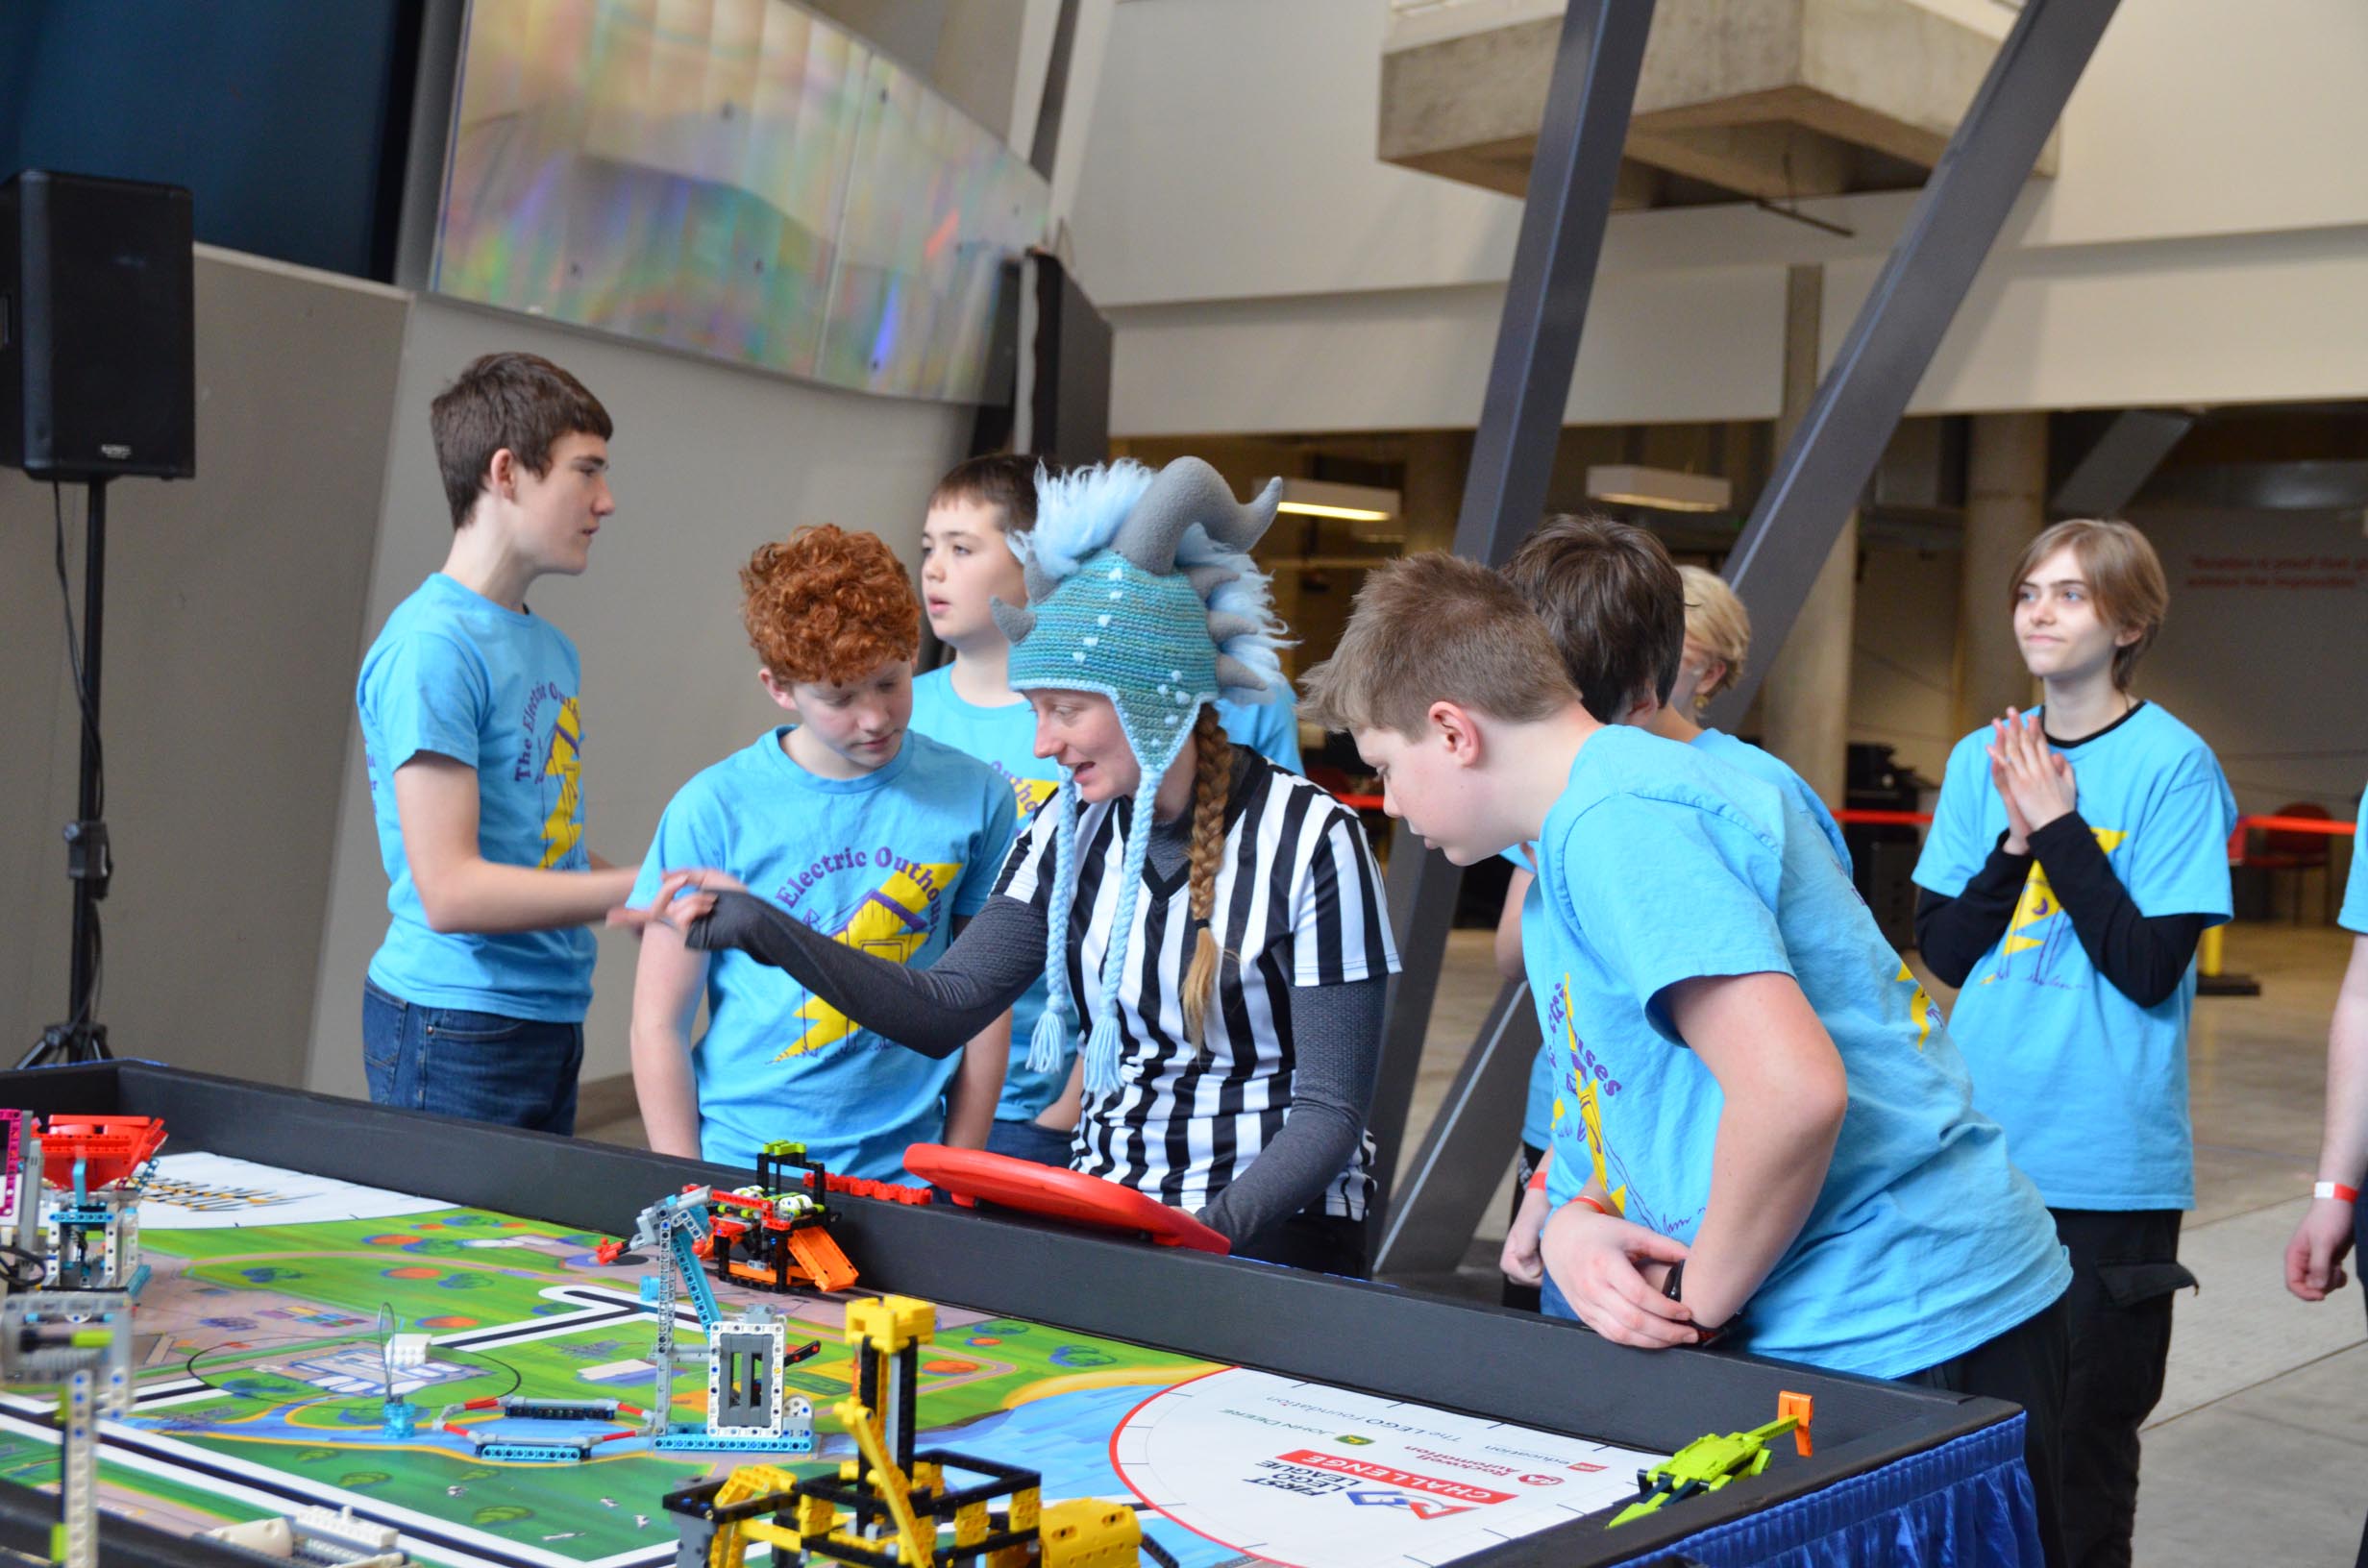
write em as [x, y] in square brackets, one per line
[1299, 903]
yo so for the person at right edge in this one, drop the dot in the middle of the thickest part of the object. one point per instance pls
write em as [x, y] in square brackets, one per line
[2076, 856]
[2334, 1222]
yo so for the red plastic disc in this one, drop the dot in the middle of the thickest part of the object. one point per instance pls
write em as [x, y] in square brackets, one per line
[1069, 1196]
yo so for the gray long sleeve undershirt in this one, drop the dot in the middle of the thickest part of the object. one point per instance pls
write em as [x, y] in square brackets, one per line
[1335, 1030]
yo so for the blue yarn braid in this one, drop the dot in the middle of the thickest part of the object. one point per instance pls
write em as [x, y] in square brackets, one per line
[1048, 1042]
[1102, 1047]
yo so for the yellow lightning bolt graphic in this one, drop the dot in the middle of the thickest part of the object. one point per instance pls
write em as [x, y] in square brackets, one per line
[1920, 1006]
[1033, 792]
[1591, 1115]
[563, 829]
[893, 923]
[2037, 904]
[1587, 1109]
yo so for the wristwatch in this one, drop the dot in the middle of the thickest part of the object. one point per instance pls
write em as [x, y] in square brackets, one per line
[1673, 1287]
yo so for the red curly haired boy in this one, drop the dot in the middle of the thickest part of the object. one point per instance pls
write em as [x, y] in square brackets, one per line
[885, 839]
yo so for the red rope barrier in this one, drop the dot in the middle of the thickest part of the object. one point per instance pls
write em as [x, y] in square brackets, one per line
[1923, 819]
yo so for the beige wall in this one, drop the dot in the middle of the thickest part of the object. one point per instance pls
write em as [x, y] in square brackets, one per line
[249, 897]
[709, 462]
[2263, 650]
[1266, 273]
[2269, 619]
[232, 626]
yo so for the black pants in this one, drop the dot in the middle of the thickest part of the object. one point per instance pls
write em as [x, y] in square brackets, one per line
[2027, 1365]
[2125, 1270]
[1319, 1244]
[1522, 1296]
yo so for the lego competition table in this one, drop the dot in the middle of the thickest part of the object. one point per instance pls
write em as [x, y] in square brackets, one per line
[1250, 1415]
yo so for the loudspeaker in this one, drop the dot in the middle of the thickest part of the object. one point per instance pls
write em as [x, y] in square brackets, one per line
[98, 342]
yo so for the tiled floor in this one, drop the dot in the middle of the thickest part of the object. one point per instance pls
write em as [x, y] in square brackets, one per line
[2258, 1452]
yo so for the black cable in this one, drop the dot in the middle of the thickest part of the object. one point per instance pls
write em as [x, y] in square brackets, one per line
[84, 700]
[98, 967]
[74, 652]
[22, 1270]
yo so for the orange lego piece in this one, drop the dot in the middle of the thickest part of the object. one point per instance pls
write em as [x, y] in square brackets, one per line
[820, 1257]
[110, 1147]
[1804, 1407]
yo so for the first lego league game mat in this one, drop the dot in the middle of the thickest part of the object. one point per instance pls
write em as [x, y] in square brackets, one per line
[260, 1387]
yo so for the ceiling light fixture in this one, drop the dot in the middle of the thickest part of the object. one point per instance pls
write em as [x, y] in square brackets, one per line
[1344, 503]
[1664, 489]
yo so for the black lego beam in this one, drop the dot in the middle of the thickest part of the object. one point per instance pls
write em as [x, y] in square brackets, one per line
[1571, 178]
[1825, 466]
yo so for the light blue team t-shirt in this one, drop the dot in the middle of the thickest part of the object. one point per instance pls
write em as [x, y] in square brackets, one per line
[1660, 865]
[1271, 728]
[885, 863]
[2091, 1087]
[1537, 1112]
[1004, 739]
[459, 675]
[1772, 770]
[1544, 971]
[2354, 916]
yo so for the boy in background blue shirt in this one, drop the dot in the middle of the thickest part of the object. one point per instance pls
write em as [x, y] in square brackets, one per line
[2068, 874]
[1769, 1137]
[2335, 1221]
[1622, 616]
[885, 839]
[967, 560]
[472, 735]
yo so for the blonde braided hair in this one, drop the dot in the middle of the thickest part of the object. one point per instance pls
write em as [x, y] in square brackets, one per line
[1212, 782]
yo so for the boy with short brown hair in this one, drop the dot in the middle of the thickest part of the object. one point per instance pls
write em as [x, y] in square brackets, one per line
[1769, 1136]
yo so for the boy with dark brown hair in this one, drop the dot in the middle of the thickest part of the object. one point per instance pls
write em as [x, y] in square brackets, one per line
[473, 734]
[1615, 605]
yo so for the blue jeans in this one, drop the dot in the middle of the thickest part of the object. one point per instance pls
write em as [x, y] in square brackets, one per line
[482, 1065]
[1029, 1140]
[1553, 1303]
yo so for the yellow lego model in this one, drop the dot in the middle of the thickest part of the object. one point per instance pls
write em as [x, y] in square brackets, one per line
[890, 1505]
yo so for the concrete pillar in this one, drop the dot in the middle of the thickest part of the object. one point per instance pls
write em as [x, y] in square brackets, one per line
[1432, 494]
[2006, 505]
[1805, 701]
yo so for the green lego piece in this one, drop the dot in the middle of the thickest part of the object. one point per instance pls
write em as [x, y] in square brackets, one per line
[1703, 1465]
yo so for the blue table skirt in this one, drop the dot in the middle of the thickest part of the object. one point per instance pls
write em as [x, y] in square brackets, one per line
[1967, 1504]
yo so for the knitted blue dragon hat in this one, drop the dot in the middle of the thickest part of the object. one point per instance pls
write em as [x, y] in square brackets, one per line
[1139, 587]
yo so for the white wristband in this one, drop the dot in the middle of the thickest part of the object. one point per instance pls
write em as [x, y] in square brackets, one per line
[2335, 1189]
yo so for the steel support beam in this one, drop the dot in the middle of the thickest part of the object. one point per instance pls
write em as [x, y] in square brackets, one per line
[2110, 473]
[1588, 106]
[1447, 1184]
[1825, 465]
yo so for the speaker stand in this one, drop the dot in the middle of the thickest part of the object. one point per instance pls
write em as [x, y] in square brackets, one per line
[88, 861]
